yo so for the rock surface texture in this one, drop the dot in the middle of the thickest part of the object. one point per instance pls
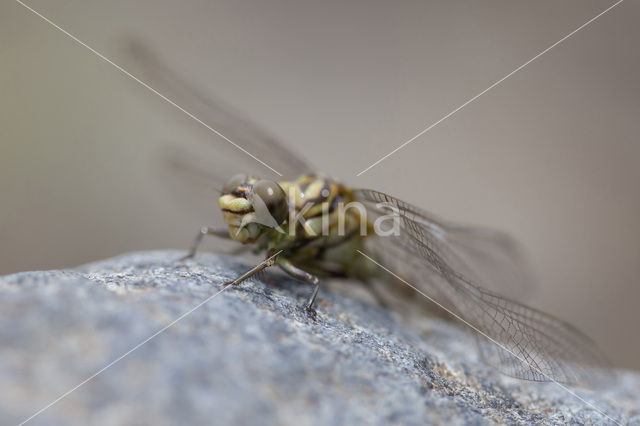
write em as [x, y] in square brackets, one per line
[250, 355]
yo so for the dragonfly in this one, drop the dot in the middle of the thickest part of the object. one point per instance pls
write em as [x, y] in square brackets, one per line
[464, 269]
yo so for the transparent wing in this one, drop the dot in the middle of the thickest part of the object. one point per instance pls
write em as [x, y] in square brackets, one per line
[522, 342]
[491, 257]
[219, 158]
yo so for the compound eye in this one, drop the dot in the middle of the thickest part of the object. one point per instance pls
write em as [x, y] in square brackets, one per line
[233, 183]
[270, 203]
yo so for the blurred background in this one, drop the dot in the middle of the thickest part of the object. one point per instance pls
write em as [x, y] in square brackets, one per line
[551, 155]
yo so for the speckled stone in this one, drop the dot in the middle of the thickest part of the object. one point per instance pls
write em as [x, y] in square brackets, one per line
[250, 355]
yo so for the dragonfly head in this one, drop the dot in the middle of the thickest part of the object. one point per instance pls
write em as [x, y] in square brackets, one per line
[252, 206]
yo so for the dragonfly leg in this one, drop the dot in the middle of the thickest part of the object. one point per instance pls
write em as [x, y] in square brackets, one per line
[300, 274]
[205, 230]
[269, 261]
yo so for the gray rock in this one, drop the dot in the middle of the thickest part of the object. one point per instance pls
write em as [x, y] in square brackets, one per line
[250, 355]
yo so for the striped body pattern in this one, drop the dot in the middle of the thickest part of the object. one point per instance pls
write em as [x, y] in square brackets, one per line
[320, 229]
[314, 225]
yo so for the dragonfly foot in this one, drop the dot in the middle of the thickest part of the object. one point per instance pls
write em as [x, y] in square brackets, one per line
[310, 311]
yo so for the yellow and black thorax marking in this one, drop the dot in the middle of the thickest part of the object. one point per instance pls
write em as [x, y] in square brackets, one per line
[317, 198]
[318, 209]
